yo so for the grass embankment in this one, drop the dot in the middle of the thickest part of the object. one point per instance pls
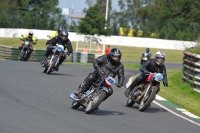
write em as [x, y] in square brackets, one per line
[180, 93]
[128, 53]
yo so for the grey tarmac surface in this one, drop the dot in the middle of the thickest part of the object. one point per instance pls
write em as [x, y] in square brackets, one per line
[34, 102]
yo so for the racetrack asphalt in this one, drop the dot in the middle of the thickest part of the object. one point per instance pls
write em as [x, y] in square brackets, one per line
[34, 102]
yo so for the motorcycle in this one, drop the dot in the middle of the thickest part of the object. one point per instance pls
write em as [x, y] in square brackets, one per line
[53, 60]
[97, 93]
[25, 51]
[144, 93]
[144, 58]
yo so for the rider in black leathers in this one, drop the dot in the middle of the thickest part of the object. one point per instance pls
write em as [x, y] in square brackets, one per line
[61, 40]
[108, 64]
[152, 65]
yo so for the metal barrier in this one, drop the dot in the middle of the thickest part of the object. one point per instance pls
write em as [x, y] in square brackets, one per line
[7, 52]
[191, 70]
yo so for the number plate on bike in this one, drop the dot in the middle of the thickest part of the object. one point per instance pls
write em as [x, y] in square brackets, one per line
[110, 81]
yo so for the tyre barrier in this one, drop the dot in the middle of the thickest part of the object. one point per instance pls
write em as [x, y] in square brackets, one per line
[10, 53]
[191, 70]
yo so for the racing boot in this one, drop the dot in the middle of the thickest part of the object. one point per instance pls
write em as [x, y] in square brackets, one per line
[128, 90]
[80, 90]
[42, 62]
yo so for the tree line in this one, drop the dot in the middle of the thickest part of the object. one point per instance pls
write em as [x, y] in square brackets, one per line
[31, 14]
[165, 19]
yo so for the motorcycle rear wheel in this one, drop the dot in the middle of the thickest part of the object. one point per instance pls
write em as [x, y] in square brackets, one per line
[145, 103]
[93, 105]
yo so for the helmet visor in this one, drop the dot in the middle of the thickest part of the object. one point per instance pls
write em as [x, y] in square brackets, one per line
[160, 61]
[115, 58]
[64, 37]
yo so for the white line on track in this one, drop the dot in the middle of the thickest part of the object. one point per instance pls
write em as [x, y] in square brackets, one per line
[176, 113]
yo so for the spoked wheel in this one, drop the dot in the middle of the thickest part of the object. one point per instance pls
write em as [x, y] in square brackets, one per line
[93, 104]
[146, 100]
[52, 65]
[75, 105]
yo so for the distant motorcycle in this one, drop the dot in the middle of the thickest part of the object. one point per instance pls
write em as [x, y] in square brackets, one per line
[144, 58]
[144, 93]
[25, 51]
[97, 93]
[53, 60]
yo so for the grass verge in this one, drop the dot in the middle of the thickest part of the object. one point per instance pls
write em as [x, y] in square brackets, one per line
[180, 93]
[128, 52]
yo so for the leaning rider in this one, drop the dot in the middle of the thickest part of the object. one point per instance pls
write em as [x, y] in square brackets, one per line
[105, 65]
[61, 40]
[32, 38]
[151, 66]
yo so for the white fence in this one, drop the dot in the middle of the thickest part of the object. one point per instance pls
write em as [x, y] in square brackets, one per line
[110, 40]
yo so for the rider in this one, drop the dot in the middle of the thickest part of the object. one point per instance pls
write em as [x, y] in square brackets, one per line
[151, 66]
[56, 33]
[31, 37]
[62, 39]
[105, 65]
[146, 53]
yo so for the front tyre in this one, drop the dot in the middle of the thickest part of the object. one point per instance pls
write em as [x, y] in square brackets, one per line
[22, 56]
[75, 105]
[145, 102]
[52, 65]
[93, 104]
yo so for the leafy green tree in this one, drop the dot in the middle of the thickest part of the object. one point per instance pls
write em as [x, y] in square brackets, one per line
[93, 22]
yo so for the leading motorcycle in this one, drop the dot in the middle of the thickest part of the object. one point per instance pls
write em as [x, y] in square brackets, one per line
[92, 98]
[144, 93]
[53, 60]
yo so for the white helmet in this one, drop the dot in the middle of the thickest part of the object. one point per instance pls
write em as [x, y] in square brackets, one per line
[159, 55]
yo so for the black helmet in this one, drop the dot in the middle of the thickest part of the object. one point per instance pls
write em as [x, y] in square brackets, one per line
[60, 28]
[147, 50]
[160, 55]
[115, 55]
[64, 34]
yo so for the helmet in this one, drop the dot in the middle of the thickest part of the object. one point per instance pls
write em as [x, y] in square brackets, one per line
[147, 50]
[64, 34]
[60, 28]
[115, 55]
[30, 33]
[158, 56]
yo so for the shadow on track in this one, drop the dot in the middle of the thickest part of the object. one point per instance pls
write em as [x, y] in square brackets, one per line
[102, 112]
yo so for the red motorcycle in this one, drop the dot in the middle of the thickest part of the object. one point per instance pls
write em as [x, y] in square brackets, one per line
[144, 93]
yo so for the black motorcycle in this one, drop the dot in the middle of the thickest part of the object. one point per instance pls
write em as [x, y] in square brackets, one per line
[97, 93]
[53, 60]
[25, 52]
[145, 58]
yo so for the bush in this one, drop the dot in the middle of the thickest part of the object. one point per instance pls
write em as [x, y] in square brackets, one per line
[195, 49]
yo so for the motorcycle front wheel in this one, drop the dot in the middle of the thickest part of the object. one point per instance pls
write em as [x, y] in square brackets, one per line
[22, 56]
[145, 102]
[93, 104]
[52, 65]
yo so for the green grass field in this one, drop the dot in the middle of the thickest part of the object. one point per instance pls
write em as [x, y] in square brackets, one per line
[181, 93]
[128, 53]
